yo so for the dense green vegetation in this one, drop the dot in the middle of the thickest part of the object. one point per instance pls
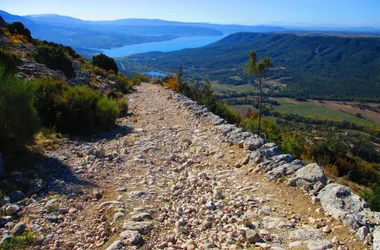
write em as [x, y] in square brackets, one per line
[19, 28]
[105, 62]
[18, 118]
[7, 62]
[23, 241]
[54, 57]
[327, 67]
[69, 109]
[203, 95]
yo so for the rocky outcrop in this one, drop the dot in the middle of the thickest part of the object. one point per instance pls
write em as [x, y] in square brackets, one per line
[339, 201]
[308, 178]
[336, 200]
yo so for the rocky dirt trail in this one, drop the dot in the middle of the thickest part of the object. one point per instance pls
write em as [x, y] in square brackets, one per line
[169, 179]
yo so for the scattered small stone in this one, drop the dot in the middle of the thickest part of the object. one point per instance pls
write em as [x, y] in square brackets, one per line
[5, 238]
[52, 218]
[108, 203]
[97, 194]
[12, 209]
[131, 237]
[253, 236]
[326, 229]
[36, 186]
[18, 229]
[16, 195]
[141, 217]
[115, 245]
[142, 227]
[117, 216]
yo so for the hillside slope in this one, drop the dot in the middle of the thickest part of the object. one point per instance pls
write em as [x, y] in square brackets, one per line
[316, 66]
[168, 180]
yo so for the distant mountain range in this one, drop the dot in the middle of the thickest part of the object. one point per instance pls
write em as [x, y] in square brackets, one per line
[81, 34]
[309, 65]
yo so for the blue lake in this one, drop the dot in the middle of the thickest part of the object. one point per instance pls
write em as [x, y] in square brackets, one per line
[165, 46]
[155, 73]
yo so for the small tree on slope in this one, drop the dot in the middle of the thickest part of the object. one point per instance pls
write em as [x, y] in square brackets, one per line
[258, 69]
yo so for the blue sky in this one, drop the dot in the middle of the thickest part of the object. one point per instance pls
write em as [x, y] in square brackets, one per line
[299, 12]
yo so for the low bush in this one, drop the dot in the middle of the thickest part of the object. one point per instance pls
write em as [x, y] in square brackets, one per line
[23, 241]
[372, 196]
[54, 57]
[122, 104]
[7, 62]
[19, 28]
[203, 95]
[105, 62]
[139, 78]
[18, 119]
[124, 84]
[76, 110]
[72, 52]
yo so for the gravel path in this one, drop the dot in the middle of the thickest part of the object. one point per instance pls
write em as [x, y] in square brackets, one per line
[167, 179]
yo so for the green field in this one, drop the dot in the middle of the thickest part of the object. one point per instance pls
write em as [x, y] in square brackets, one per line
[310, 110]
[219, 88]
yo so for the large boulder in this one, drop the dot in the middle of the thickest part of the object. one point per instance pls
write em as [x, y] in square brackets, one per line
[340, 202]
[283, 170]
[308, 176]
[253, 142]
[265, 152]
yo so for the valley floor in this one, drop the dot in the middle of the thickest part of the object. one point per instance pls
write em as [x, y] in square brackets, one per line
[168, 181]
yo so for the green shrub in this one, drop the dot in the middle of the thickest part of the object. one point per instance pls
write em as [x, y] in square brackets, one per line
[19, 28]
[106, 112]
[24, 241]
[139, 78]
[72, 52]
[227, 113]
[7, 62]
[372, 196]
[18, 119]
[77, 110]
[122, 105]
[105, 62]
[124, 84]
[205, 96]
[54, 57]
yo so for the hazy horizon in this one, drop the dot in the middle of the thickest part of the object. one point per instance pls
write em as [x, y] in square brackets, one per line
[344, 13]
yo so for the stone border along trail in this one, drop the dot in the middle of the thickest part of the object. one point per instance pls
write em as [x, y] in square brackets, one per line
[184, 179]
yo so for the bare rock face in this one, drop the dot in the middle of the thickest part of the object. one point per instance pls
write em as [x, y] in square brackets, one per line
[338, 200]
[265, 152]
[253, 142]
[307, 177]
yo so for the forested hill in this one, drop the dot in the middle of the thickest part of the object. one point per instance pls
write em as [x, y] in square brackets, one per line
[310, 65]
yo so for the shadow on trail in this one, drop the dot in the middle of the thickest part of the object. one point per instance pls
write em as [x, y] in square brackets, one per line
[25, 167]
